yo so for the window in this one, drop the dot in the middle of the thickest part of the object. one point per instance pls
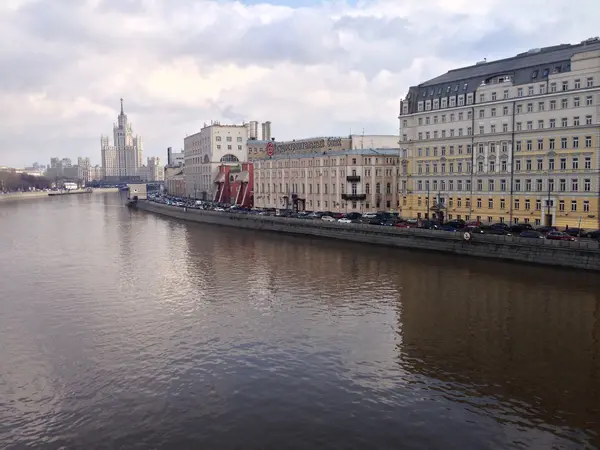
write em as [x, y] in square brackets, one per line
[576, 102]
[502, 203]
[528, 185]
[552, 104]
[577, 84]
[519, 108]
[538, 205]
[505, 128]
[575, 121]
[587, 163]
[519, 146]
[552, 87]
[574, 184]
[517, 185]
[565, 85]
[503, 185]
[551, 164]
[575, 142]
[573, 205]
[541, 106]
[586, 206]
[491, 185]
[541, 124]
[529, 145]
[561, 205]
[529, 125]
[590, 82]
[520, 92]
[540, 144]
[538, 185]
[552, 123]
[563, 163]
[493, 112]
[228, 138]
[540, 164]
[519, 126]
[530, 89]
[562, 184]
[552, 143]
[563, 142]
[505, 111]
[564, 103]
[518, 165]
[589, 101]
[588, 141]
[529, 107]
[517, 203]
[528, 165]
[588, 120]
[490, 203]
[527, 204]
[479, 203]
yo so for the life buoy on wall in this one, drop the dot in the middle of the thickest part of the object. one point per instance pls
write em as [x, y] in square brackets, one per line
[467, 236]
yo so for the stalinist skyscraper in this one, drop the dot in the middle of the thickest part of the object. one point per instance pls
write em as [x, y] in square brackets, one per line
[122, 160]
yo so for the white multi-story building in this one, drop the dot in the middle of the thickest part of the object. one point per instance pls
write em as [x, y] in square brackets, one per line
[123, 159]
[206, 150]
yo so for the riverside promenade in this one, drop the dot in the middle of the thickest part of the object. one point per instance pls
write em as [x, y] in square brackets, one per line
[23, 196]
[578, 255]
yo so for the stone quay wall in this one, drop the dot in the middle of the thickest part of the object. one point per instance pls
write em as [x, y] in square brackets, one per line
[578, 254]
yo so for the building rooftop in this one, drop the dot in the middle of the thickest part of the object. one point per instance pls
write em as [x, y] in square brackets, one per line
[528, 67]
[358, 151]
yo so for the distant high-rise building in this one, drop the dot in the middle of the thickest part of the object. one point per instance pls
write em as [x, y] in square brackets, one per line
[122, 160]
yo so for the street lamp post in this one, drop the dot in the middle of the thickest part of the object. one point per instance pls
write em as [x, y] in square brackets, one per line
[548, 201]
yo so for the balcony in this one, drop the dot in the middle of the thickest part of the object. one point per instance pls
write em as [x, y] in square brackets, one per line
[354, 197]
[353, 178]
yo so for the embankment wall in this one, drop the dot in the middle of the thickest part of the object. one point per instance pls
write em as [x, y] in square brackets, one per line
[579, 254]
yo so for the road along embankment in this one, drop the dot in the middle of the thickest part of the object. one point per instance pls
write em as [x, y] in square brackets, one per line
[579, 254]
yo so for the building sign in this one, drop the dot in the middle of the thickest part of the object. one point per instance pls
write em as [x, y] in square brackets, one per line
[310, 144]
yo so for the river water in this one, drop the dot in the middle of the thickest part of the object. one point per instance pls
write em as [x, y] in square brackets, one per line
[122, 329]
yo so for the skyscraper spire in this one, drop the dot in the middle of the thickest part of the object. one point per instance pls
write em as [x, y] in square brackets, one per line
[121, 105]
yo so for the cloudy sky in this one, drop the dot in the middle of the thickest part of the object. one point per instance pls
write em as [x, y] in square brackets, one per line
[311, 67]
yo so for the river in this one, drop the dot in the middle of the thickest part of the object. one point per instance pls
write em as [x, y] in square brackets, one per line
[120, 329]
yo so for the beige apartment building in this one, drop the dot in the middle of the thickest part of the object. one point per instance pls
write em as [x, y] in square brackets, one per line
[324, 174]
[514, 140]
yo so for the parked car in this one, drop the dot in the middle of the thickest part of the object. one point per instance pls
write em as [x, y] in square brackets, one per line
[344, 220]
[499, 231]
[580, 232]
[328, 219]
[546, 229]
[559, 236]
[531, 234]
[594, 234]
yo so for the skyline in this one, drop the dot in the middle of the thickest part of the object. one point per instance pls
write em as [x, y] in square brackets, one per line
[339, 67]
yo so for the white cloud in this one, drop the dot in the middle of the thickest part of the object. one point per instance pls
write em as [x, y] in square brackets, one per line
[178, 63]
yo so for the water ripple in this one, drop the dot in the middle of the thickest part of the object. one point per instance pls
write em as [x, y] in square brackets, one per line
[121, 329]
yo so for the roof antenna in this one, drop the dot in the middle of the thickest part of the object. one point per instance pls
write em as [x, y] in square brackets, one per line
[121, 105]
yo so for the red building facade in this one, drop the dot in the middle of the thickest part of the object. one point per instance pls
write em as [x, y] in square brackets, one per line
[235, 185]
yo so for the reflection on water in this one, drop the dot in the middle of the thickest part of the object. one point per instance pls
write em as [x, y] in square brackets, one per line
[121, 329]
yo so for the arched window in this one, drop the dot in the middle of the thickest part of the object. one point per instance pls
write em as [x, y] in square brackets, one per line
[229, 158]
[206, 159]
[378, 188]
[367, 188]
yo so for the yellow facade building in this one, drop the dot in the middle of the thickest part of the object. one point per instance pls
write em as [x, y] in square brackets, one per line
[514, 141]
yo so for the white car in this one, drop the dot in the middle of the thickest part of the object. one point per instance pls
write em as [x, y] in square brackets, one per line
[219, 209]
[328, 219]
[344, 220]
